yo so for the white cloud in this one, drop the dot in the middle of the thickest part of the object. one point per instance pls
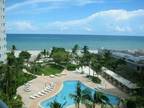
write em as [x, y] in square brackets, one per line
[123, 29]
[85, 2]
[109, 21]
[22, 26]
[52, 3]
[115, 17]
[118, 15]
[88, 29]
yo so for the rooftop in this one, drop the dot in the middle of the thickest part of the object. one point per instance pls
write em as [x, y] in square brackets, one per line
[130, 57]
[122, 80]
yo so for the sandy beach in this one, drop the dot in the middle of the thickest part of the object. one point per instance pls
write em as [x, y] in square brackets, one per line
[34, 53]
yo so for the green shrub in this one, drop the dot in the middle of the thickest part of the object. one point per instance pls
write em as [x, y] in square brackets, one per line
[23, 79]
[131, 104]
[71, 67]
[94, 79]
[16, 103]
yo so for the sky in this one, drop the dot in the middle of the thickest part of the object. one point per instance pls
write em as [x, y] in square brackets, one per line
[96, 17]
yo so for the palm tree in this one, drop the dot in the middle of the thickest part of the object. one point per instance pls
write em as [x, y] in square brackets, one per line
[47, 53]
[81, 63]
[85, 49]
[24, 55]
[75, 49]
[44, 52]
[9, 72]
[56, 104]
[86, 57]
[8, 81]
[99, 98]
[89, 98]
[107, 54]
[107, 57]
[86, 98]
[74, 52]
[13, 48]
[78, 95]
[81, 96]
[35, 68]
[88, 60]
[122, 103]
[97, 67]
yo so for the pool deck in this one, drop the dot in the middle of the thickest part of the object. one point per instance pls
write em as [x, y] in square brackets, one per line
[40, 82]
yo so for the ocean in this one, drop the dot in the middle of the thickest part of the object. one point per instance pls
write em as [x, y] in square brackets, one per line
[47, 41]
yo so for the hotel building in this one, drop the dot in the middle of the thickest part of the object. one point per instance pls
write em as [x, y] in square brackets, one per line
[2, 31]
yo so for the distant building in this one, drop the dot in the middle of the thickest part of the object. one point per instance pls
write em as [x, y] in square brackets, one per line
[2, 31]
[135, 62]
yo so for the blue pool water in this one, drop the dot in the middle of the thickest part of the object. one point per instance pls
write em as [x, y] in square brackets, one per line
[69, 88]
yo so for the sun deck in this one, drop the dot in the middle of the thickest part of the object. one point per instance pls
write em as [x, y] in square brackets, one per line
[40, 82]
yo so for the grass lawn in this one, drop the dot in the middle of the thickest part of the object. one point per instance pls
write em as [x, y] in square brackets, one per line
[51, 69]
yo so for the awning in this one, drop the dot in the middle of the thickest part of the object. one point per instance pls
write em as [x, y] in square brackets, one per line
[120, 79]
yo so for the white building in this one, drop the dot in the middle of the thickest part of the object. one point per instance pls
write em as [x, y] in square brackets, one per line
[2, 31]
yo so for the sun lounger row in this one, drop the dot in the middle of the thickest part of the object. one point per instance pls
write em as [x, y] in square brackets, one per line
[45, 91]
[27, 87]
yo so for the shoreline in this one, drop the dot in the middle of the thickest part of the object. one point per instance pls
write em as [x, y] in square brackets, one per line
[36, 52]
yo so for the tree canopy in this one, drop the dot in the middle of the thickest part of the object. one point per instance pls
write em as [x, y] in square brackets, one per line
[25, 55]
[60, 55]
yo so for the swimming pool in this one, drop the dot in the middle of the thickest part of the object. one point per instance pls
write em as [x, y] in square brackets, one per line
[69, 88]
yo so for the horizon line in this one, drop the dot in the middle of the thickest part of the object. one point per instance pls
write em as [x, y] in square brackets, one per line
[74, 34]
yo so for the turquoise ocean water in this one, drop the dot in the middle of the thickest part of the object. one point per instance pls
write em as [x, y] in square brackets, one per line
[47, 41]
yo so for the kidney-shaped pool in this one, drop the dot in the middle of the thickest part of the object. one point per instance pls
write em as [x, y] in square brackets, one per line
[69, 87]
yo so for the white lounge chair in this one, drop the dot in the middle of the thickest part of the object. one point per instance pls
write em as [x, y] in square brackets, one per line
[52, 76]
[49, 87]
[47, 90]
[41, 94]
[52, 84]
[99, 86]
[36, 95]
[27, 84]
[27, 89]
[32, 97]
